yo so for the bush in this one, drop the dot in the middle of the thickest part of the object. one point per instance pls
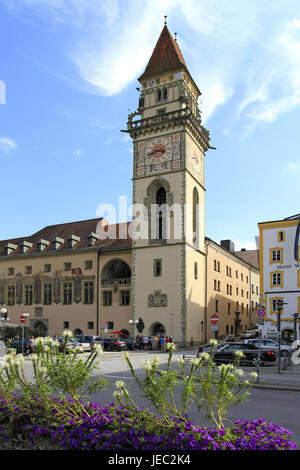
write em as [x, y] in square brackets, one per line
[23, 424]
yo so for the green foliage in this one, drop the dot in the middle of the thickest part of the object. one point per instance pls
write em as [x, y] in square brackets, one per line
[54, 372]
[214, 389]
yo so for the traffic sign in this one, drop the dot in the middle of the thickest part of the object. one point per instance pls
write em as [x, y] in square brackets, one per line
[22, 319]
[260, 312]
[214, 327]
[214, 319]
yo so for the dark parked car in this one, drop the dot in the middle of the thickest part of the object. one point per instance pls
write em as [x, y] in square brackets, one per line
[226, 353]
[17, 345]
[130, 343]
[113, 344]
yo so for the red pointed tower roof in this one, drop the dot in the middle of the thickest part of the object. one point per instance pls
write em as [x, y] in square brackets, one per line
[166, 56]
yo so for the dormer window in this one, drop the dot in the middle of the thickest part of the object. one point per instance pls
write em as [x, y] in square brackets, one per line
[42, 244]
[92, 238]
[57, 243]
[25, 246]
[9, 248]
[73, 240]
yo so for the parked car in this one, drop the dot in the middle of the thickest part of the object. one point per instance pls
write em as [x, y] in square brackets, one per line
[207, 348]
[130, 343]
[87, 341]
[16, 344]
[226, 353]
[266, 343]
[113, 344]
[71, 344]
[250, 334]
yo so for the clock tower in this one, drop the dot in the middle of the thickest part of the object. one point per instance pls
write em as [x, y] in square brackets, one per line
[168, 250]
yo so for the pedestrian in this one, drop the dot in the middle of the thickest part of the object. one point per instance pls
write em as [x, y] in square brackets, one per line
[153, 343]
[171, 339]
[162, 343]
[192, 341]
[145, 342]
[30, 346]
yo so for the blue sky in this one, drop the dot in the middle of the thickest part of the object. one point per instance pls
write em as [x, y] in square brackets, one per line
[70, 68]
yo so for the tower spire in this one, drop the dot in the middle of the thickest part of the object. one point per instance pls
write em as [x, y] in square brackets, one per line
[166, 20]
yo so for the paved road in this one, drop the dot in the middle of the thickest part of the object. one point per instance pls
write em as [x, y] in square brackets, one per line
[276, 406]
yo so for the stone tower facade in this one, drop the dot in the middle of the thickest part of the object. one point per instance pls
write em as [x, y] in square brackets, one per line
[168, 250]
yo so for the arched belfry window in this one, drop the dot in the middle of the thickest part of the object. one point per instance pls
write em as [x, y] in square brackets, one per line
[165, 93]
[158, 201]
[195, 216]
[161, 201]
[159, 94]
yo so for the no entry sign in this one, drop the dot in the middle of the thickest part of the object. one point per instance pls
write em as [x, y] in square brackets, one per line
[22, 319]
[214, 319]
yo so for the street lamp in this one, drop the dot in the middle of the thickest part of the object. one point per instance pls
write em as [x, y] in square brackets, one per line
[4, 316]
[133, 323]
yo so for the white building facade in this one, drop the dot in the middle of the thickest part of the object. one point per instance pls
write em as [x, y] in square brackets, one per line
[279, 252]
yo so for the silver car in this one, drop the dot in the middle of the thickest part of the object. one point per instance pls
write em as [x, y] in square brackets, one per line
[88, 341]
[266, 343]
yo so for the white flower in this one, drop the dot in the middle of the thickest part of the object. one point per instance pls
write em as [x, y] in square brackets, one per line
[120, 384]
[181, 361]
[98, 348]
[79, 349]
[116, 394]
[204, 356]
[254, 375]
[147, 364]
[126, 355]
[213, 342]
[239, 354]
[239, 372]
[68, 334]
[195, 361]
[171, 346]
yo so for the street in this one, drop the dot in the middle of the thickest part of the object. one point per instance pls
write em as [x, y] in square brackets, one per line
[282, 407]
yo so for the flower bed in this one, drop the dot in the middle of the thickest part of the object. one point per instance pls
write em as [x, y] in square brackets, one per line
[25, 424]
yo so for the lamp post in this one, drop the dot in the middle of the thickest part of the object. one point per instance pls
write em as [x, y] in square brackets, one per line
[296, 315]
[279, 305]
[22, 320]
[4, 316]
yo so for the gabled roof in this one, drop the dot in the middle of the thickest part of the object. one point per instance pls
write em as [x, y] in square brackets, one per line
[166, 56]
[81, 229]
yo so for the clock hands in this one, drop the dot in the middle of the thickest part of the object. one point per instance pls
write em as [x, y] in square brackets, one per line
[156, 150]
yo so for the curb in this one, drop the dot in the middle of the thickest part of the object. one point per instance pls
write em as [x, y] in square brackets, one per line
[279, 388]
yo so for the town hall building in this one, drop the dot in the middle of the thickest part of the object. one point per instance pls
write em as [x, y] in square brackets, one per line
[160, 267]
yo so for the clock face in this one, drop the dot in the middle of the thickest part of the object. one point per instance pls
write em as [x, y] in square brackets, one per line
[158, 150]
[158, 154]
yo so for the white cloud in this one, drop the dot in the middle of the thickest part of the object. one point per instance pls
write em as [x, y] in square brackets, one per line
[7, 144]
[292, 167]
[246, 52]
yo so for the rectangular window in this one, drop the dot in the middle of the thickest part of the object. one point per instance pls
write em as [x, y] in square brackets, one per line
[28, 269]
[107, 298]
[28, 294]
[215, 265]
[219, 286]
[88, 264]
[66, 325]
[195, 270]
[229, 308]
[276, 255]
[236, 274]
[252, 288]
[242, 276]
[276, 279]
[242, 292]
[227, 329]
[90, 325]
[67, 293]
[237, 291]
[219, 268]
[124, 297]
[11, 292]
[110, 325]
[47, 268]
[217, 306]
[157, 267]
[11, 271]
[47, 293]
[281, 236]
[67, 266]
[273, 304]
[88, 292]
